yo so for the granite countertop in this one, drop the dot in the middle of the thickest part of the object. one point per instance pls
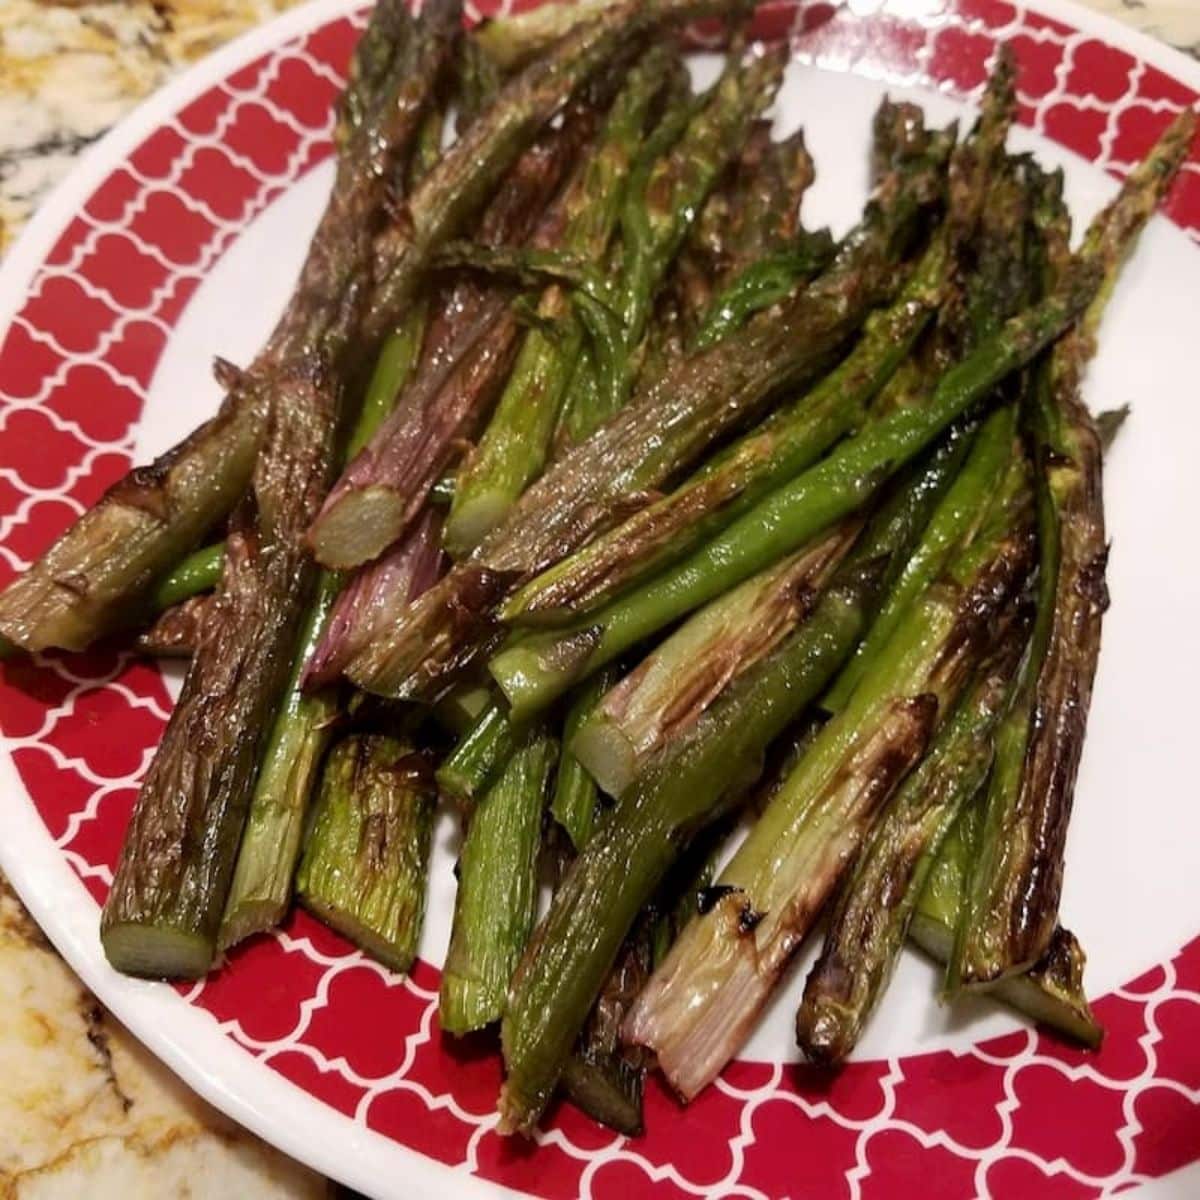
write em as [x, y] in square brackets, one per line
[85, 1110]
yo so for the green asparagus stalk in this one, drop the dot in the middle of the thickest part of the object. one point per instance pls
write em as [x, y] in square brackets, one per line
[164, 910]
[877, 901]
[1050, 992]
[533, 672]
[702, 778]
[701, 1003]
[199, 572]
[366, 855]
[92, 581]
[670, 689]
[956, 521]
[654, 439]
[785, 444]
[479, 756]
[1012, 906]
[497, 890]
[575, 793]
[513, 448]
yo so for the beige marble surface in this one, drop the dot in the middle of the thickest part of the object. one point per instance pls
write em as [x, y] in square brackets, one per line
[84, 1111]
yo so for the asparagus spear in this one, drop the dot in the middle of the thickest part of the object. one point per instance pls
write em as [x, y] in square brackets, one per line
[575, 794]
[536, 670]
[1011, 911]
[670, 689]
[497, 889]
[702, 777]
[513, 448]
[367, 852]
[877, 901]
[701, 1003]
[90, 582]
[785, 444]
[163, 912]
[1051, 991]
[480, 755]
[649, 441]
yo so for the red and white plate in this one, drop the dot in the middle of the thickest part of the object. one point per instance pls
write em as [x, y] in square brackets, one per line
[178, 237]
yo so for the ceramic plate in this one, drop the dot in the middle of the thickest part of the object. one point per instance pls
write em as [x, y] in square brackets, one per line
[178, 237]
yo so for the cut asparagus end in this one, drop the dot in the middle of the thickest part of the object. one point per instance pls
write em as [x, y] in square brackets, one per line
[396, 956]
[608, 755]
[156, 952]
[366, 856]
[473, 519]
[1049, 993]
[251, 915]
[358, 529]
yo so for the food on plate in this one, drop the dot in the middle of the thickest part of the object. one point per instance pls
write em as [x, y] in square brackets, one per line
[578, 482]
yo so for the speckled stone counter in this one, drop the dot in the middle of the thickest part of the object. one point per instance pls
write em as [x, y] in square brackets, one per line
[84, 1111]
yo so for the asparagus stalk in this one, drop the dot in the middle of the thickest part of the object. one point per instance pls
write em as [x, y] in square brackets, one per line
[366, 855]
[513, 449]
[164, 909]
[670, 689]
[956, 521]
[1012, 906]
[877, 901]
[497, 890]
[1050, 992]
[94, 579]
[261, 887]
[701, 1003]
[701, 778]
[372, 598]
[533, 672]
[199, 572]
[785, 444]
[480, 755]
[649, 441]
[575, 793]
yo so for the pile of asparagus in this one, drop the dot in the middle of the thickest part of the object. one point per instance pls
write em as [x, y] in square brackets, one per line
[582, 486]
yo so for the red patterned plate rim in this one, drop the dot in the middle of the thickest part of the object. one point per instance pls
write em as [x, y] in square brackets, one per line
[61, 889]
